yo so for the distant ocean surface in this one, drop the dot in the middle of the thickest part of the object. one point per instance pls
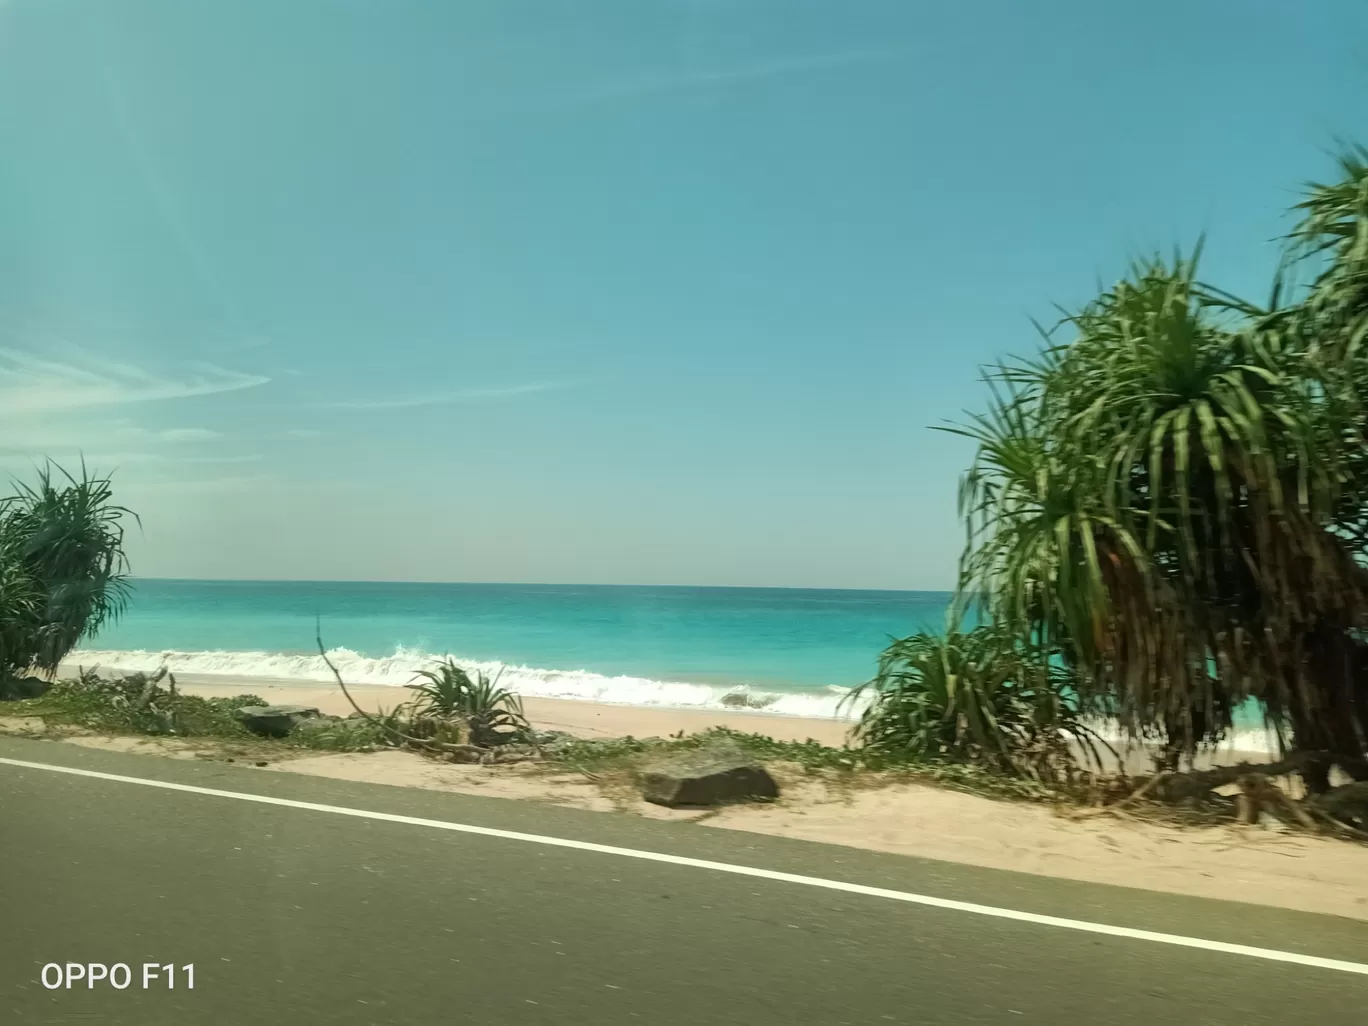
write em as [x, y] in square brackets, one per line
[798, 650]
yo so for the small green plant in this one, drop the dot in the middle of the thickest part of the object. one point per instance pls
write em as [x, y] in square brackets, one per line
[448, 705]
[811, 754]
[349, 735]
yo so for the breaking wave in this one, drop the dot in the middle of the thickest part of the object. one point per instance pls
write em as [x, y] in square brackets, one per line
[532, 682]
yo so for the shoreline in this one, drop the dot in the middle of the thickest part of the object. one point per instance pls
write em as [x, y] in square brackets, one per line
[786, 716]
[581, 717]
[591, 720]
[576, 685]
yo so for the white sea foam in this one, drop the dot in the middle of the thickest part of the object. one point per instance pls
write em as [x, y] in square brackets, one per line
[583, 685]
[399, 668]
[1241, 740]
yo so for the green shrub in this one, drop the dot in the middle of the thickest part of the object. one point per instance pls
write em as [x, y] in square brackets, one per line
[971, 697]
[448, 705]
[812, 754]
[63, 574]
[142, 703]
[350, 735]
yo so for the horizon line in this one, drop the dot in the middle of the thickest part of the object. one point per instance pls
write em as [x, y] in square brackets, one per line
[538, 584]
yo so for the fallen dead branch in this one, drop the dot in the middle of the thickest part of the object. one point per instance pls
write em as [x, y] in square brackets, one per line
[454, 752]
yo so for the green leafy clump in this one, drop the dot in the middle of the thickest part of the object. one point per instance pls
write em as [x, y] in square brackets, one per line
[350, 735]
[597, 753]
[139, 703]
[150, 704]
[971, 697]
[449, 705]
[859, 766]
[63, 573]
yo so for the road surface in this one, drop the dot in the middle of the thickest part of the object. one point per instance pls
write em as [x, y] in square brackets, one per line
[292, 913]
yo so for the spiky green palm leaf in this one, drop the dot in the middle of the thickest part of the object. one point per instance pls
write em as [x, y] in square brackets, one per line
[444, 691]
[490, 713]
[1332, 236]
[973, 696]
[65, 534]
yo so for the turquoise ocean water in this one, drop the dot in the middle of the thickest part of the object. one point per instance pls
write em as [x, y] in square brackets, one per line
[663, 646]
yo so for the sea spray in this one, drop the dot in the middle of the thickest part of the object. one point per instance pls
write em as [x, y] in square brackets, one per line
[577, 685]
[399, 669]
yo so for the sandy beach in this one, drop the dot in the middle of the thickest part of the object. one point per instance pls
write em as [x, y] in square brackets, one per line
[584, 719]
[580, 717]
[600, 720]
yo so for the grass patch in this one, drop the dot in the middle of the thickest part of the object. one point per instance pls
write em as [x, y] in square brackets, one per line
[116, 706]
[149, 705]
[844, 768]
[626, 752]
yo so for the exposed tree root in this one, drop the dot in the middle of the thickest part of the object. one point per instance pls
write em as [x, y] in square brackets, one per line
[1342, 810]
[1257, 793]
[1346, 806]
[1177, 787]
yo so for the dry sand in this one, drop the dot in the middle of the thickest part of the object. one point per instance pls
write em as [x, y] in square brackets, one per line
[1253, 864]
[585, 719]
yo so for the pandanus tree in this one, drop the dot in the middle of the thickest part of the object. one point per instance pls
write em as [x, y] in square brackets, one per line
[63, 572]
[1172, 502]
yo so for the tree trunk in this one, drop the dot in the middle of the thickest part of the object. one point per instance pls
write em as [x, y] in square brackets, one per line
[1326, 715]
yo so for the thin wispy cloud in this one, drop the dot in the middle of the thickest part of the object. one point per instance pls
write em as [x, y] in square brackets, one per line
[188, 435]
[460, 396]
[33, 384]
[254, 457]
[647, 85]
[106, 461]
[50, 433]
[237, 483]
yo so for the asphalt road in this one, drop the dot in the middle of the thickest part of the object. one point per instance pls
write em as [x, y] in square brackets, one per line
[294, 915]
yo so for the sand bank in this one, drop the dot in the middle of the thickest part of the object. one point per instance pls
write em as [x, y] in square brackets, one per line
[599, 720]
[585, 719]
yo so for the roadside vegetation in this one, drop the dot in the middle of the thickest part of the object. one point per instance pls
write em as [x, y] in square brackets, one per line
[1167, 522]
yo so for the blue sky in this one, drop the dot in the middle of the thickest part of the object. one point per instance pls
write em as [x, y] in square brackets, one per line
[621, 291]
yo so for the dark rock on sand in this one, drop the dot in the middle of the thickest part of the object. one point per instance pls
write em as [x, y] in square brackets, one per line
[706, 777]
[275, 720]
[16, 689]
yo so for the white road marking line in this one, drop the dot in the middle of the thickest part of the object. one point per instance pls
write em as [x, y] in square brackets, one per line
[1083, 926]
